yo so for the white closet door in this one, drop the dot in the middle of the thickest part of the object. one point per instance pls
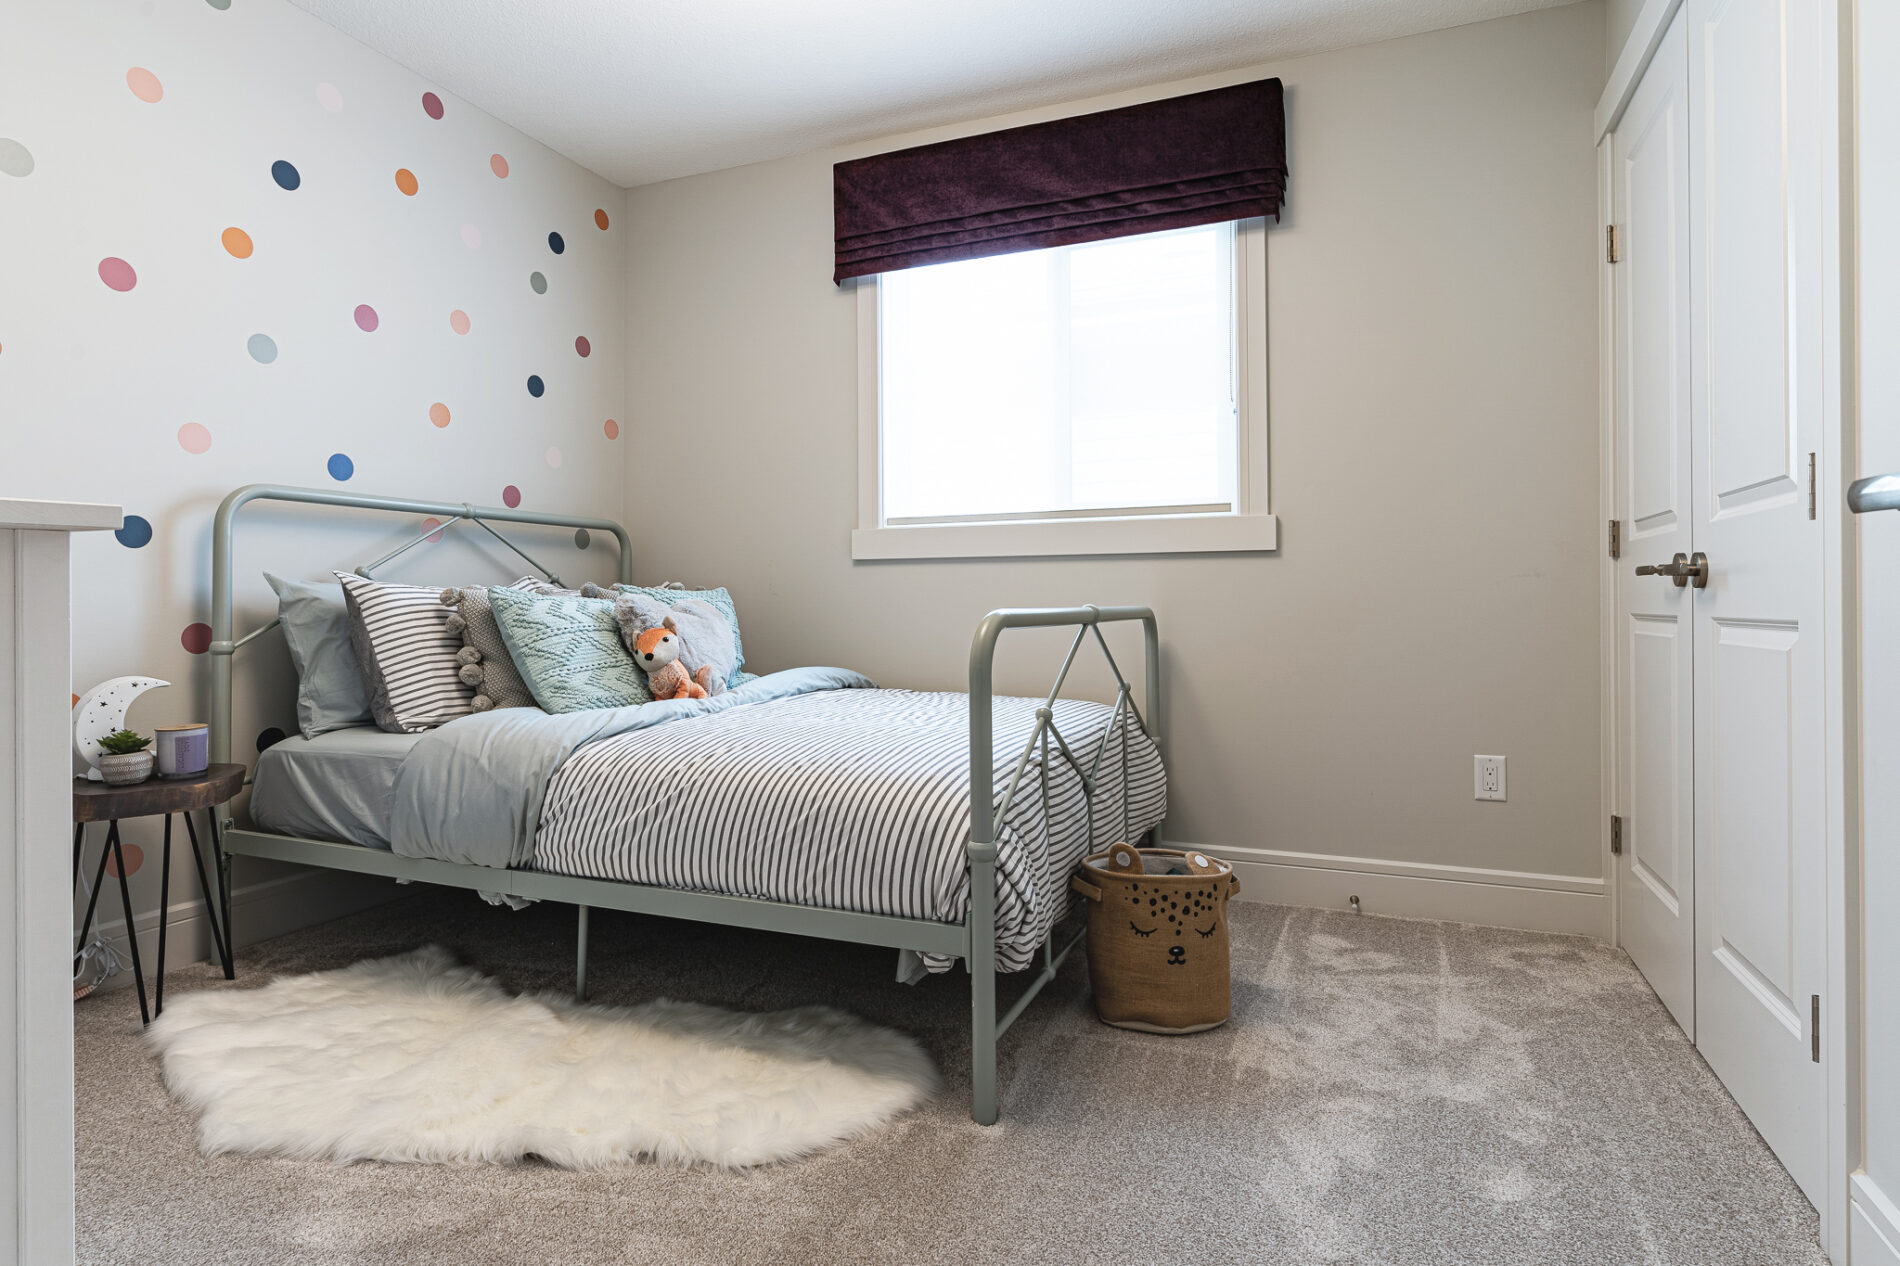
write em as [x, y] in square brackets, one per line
[1756, 252]
[1655, 662]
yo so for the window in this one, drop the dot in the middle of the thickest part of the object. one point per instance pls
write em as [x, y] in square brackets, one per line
[1107, 397]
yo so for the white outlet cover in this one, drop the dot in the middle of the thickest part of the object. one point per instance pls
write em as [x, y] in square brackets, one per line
[1487, 777]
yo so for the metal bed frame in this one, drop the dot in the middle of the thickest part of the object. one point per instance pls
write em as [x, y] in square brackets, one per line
[973, 940]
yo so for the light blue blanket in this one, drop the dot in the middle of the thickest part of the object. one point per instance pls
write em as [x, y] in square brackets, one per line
[471, 791]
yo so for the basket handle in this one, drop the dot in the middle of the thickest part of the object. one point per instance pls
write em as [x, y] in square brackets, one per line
[1084, 887]
[1233, 883]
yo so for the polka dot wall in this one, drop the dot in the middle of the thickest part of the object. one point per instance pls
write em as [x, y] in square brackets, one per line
[333, 274]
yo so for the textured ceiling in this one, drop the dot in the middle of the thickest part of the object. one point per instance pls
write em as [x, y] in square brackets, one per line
[642, 91]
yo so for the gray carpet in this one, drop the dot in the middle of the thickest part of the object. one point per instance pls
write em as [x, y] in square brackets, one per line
[1388, 1092]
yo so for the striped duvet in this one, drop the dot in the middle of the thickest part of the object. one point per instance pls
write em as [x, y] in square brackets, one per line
[851, 800]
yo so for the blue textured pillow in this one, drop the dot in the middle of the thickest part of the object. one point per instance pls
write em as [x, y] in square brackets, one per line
[568, 651]
[720, 599]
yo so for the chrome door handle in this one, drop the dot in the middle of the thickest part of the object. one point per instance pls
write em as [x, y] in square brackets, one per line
[1876, 492]
[1682, 569]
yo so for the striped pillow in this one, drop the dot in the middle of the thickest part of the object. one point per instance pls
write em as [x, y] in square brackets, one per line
[408, 655]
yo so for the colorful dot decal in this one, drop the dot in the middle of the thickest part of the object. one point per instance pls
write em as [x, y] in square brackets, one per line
[135, 532]
[439, 414]
[471, 236]
[15, 158]
[581, 541]
[511, 496]
[366, 319]
[341, 467]
[600, 219]
[498, 165]
[554, 458]
[406, 181]
[538, 283]
[144, 85]
[237, 243]
[262, 347]
[582, 346]
[285, 175]
[432, 105]
[196, 638]
[329, 98]
[612, 428]
[536, 386]
[219, 5]
[117, 274]
[433, 522]
[269, 738]
[555, 243]
[458, 321]
[194, 438]
[133, 854]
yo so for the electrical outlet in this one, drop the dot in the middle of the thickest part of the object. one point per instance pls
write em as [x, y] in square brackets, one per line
[1487, 777]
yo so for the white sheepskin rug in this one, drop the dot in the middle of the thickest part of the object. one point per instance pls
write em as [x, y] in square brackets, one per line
[415, 1058]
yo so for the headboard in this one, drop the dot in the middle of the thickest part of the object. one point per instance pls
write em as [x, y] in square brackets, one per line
[484, 517]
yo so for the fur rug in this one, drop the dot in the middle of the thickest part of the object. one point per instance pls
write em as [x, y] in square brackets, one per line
[414, 1058]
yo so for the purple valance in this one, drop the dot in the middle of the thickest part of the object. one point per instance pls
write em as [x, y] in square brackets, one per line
[1198, 159]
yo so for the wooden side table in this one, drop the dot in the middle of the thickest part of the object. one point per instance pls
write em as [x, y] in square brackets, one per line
[96, 802]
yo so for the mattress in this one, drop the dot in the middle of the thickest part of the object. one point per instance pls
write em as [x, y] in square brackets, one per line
[338, 786]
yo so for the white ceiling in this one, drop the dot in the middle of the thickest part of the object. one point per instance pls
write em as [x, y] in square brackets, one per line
[641, 91]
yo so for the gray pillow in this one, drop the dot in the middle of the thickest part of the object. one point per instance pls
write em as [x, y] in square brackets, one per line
[705, 636]
[486, 665]
[331, 692]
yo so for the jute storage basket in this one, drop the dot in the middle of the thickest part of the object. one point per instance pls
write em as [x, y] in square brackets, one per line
[1157, 937]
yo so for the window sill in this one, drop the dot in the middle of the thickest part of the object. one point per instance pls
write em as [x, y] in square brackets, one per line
[1054, 538]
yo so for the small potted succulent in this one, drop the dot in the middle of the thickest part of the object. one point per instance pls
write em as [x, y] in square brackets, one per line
[123, 759]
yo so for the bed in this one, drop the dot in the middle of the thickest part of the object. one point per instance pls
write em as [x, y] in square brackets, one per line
[809, 801]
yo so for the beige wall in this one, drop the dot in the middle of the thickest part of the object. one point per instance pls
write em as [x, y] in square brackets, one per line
[1432, 356]
[1619, 18]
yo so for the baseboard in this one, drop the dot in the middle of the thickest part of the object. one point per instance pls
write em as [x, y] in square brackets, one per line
[1568, 904]
[259, 911]
[1873, 1235]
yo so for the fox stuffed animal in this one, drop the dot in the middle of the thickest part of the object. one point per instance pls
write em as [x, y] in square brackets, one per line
[657, 651]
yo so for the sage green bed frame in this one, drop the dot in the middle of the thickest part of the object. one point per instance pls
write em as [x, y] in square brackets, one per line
[973, 940]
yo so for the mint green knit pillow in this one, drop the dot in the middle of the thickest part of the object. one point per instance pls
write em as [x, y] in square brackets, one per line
[568, 651]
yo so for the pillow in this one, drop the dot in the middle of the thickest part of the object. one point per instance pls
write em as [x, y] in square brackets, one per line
[331, 694]
[410, 660]
[669, 594]
[486, 665]
[568, 651]
[705, 637]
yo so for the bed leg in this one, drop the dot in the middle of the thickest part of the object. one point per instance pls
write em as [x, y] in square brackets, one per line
[983, 983]
[580, 958]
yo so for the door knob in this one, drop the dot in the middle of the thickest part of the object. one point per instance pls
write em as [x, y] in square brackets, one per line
[1682, 569]
[1876, 492]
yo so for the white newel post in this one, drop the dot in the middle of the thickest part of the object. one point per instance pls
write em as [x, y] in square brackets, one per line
[36, 828]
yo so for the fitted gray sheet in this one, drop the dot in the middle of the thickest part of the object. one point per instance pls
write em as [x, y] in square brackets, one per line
[338, 786]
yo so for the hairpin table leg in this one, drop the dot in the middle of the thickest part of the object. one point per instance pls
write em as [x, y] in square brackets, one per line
[92, 902]
[222, 861]
[164, 917]
[131, 928]
[220, 939]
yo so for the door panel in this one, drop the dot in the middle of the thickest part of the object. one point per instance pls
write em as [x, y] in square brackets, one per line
[1655, 665]
[1756, 253]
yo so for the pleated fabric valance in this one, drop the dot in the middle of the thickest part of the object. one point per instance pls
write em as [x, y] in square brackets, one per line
[1198, 159]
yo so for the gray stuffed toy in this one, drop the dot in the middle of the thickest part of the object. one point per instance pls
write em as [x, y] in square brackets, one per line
[705, 636]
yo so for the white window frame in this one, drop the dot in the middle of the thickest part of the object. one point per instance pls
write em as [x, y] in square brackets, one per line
[1249, 526]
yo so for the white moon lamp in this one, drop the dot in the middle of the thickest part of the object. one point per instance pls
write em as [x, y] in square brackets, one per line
[101, 711]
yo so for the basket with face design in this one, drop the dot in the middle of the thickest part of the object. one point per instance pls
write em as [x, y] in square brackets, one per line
[1157, 937]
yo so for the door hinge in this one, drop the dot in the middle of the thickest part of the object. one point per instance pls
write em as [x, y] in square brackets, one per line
[1609, 243]
[1616, 834]
[1810, 485]
[1616, 538]
[1814, 1028]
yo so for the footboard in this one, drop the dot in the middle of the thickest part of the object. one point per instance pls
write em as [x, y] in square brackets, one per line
[985, 811]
